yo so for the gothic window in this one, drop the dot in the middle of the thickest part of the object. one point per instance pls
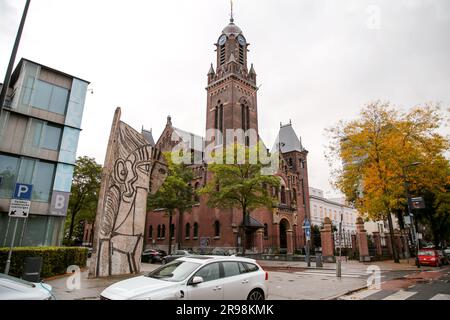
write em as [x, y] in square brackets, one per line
[150, 232]
[294, 195]
[188, 230]
[266, 231]
[222, 55]
[159, 231]
[195, 230]
[290, 162]
[283, 194]
[217, 229]
[163, 231]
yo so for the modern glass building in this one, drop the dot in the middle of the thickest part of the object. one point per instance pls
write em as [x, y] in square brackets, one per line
[39, 130]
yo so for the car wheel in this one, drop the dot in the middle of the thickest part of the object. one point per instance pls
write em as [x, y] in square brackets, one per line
[255, 295]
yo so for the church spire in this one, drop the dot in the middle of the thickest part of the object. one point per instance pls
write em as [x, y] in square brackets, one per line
[232, 15]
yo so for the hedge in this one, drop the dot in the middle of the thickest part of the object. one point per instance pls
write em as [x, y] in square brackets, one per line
[55, 260]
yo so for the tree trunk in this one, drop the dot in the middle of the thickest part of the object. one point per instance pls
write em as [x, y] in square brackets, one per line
[72, 223]
[170, 233]
[391, 233]
[180, 229]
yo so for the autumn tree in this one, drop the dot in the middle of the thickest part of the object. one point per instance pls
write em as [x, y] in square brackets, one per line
[84, 197]
[241, 185]
[175, 194]
[376, 148]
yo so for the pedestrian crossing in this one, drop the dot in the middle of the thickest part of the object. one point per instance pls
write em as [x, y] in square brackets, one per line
[376, 294]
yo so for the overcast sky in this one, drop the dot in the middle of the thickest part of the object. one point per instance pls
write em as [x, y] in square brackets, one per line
[318, 61]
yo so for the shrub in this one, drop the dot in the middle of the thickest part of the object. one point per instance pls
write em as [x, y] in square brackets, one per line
[55, 260]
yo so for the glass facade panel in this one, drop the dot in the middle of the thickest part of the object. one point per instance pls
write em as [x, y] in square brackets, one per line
[26, 171]
[59, 100]
[42, 95]
[43, 181]
[69, 144]
[76, 103]
[8, 174]
[52, 137]
[63, 177]
[36, 132]
[35, 231]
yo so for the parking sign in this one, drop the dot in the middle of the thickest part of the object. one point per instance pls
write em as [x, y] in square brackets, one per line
[23, 191]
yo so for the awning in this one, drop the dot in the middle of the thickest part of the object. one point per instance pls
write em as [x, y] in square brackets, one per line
[250, 222]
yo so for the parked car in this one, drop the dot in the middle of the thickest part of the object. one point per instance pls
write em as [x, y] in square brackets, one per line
[431, 257]
[152, 256]
[447, 252]
[196, 278]
[175, 255]
[12, 288]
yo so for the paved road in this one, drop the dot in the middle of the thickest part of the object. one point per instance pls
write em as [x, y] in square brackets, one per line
[417, 285]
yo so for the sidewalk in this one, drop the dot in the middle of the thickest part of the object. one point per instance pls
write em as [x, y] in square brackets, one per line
[349, 266]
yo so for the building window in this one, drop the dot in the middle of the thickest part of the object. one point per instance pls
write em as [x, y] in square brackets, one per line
[283, 194]
[159, 231]
[150, 232]
[8, 175]
[266, 231]
[172, 230]
[241, 54]
[188, 230]
[217, 229]
[195, 230]
[163, 231]
[50, 97]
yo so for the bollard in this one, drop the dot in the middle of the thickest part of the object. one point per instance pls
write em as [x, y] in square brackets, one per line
[319, 263]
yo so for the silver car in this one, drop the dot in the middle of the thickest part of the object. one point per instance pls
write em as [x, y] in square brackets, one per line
[12, 288]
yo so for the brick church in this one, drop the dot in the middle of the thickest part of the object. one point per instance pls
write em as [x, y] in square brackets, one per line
[232, 104]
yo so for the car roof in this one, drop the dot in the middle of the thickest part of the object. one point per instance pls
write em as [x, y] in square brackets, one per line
[203, 259]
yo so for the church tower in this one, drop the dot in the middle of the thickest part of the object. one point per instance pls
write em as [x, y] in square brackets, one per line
[232, 90]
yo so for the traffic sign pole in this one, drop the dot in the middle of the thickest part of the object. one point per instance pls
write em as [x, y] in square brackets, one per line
[8, 262]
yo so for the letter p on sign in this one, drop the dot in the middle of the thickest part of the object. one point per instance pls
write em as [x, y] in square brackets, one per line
[23, 191]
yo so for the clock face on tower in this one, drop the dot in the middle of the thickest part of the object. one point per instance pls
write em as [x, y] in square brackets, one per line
[222, 40]
[241, 40]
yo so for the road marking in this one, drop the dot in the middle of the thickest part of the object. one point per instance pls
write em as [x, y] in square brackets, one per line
[400, 295]
[327, 274]
[360, 295]
[441, 296]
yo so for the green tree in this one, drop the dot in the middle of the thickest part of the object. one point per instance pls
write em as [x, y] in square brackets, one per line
[376, 148]
[83, 201]
[175, 194]
[240, 185]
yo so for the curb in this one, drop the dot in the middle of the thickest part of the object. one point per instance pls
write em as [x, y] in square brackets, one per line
[348, 292]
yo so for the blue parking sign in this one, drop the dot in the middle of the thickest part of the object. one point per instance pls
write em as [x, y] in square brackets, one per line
[23, 191]
[308, 233]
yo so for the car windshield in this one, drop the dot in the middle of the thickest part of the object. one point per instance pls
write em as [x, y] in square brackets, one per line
[426, 253]
[13, 279]
[175, 271]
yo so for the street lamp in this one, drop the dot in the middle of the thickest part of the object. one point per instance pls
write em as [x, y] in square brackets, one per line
[410, 214]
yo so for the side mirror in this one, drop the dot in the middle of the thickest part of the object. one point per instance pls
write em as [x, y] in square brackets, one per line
[196, 280]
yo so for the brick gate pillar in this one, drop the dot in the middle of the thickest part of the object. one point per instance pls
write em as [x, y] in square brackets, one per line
[399, 244]
[361, 239]
[290, 241]
[260, 240]
[377, 241]
[276, 236]
[326, 237]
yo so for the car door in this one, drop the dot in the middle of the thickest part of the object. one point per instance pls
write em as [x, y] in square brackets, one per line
[236, 284]
[212, 286]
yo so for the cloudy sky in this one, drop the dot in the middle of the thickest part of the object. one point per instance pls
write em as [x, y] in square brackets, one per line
[318, 61]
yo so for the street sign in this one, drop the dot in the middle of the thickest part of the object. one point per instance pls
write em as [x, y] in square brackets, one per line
[407, 220]
[19, 208]
[23, 191]
[306, 224]
[59, 203]
[417, 203]
[308, 233]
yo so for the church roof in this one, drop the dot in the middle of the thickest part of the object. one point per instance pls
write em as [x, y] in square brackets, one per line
[148, 136]
[232, 29]
[195, 142]
[288, 139]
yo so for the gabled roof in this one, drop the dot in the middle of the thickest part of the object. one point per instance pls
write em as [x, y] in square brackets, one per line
[250, 222]
[288, 140]
[148, 136]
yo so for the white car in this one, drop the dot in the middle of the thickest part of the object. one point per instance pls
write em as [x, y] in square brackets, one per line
[12, 288]
[196, 278]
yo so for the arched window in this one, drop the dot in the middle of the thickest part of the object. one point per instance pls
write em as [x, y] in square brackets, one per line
[188, 230]
[195, 230]
[159, 231]
[196, 196]
[150, 232]
[217, 229]
[172, 230]
[163, 231]
[266, 231]
[290, 162]
[283, 194]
